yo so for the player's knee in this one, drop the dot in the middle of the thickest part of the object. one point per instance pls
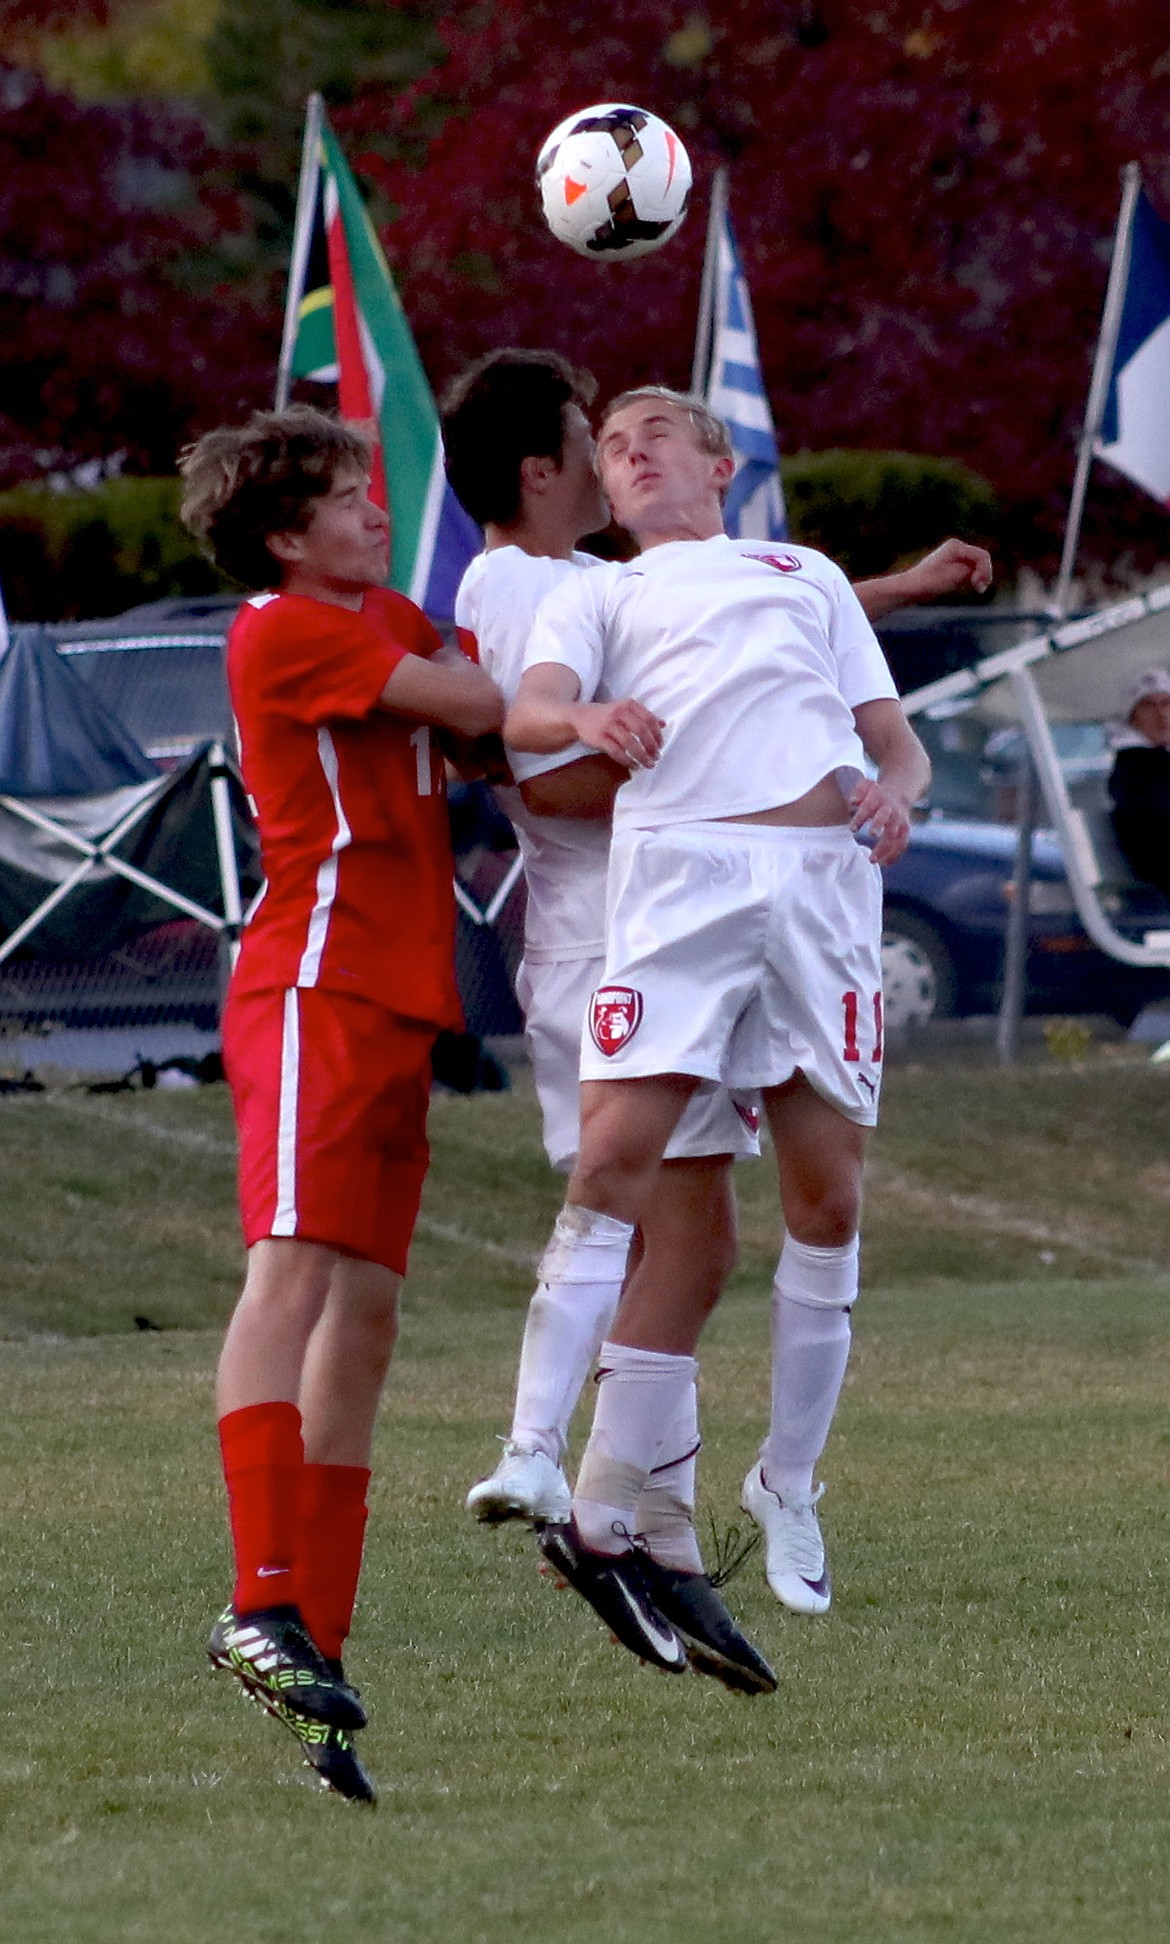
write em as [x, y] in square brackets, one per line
[364, 1304]
[828, 1220]
[371, 1337]
[609, 1183]
[288, 1278]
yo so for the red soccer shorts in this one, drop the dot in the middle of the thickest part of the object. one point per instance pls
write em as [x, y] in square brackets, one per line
[330, 1094]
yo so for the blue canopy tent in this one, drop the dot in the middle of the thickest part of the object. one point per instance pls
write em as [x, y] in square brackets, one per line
[98, 850]
[98, 847]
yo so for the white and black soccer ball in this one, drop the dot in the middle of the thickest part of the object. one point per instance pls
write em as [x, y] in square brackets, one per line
[614, 182]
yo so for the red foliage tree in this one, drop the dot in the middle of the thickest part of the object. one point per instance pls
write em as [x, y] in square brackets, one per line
[31, 17]
[924, 195]
[120, 329]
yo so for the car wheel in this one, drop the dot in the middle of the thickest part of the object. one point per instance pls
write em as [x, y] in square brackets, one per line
[918, 978]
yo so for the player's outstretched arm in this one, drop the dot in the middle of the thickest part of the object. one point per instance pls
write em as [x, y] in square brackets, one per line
[548, 716]
[882, 804]
[955, 567]
[449, 690]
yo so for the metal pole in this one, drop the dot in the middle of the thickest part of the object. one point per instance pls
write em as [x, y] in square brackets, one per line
[302, 241]
[504, 890]
[1099, 385]
[705, 329]
[1015, 955]
[225, 847]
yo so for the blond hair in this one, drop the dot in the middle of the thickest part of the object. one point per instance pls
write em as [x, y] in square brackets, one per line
[711, 434]
[243, 483]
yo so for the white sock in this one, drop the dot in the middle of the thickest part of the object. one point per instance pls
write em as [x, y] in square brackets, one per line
[665, 1512]
[812, 1295]
[582, 1273]
[638, 1398]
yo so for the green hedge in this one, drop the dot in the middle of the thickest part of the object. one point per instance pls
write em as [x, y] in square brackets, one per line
[872, 511]
[78, 555]
[75, 556]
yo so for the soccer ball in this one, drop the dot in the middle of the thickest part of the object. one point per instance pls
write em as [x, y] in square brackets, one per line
[614, 182]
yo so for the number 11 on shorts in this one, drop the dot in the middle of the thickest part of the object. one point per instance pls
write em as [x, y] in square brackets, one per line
[850, 1003]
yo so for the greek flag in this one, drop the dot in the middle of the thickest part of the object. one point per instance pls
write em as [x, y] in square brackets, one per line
[727, 374]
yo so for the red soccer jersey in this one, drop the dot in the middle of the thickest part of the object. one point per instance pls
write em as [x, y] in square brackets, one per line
[351, 806]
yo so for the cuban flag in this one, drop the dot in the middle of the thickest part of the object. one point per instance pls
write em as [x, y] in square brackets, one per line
[727, 374]
[1134, 435]
[344, 323]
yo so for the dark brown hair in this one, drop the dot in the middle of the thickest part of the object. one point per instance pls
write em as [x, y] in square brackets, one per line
[505, 408]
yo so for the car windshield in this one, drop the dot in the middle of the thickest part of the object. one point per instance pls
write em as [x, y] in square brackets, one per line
[976, 768]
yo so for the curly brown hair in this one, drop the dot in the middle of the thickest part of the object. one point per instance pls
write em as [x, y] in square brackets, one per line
[246, 482]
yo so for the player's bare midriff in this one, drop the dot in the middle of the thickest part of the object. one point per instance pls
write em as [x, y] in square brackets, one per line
[823, 804]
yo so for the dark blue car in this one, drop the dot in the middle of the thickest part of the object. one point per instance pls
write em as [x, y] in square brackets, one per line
[946, 913]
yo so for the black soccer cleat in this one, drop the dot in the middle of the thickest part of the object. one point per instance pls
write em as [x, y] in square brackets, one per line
[328, 1751]
[272, 1653]
[713, 1642]
[615, 1588]
[338, 1768]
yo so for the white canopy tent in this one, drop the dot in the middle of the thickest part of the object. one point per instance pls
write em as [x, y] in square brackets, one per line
[1077, 672]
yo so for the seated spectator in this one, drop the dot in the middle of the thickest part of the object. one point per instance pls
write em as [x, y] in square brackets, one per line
[1139, 782]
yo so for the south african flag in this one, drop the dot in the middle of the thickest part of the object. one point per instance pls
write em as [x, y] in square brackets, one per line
[344, 323]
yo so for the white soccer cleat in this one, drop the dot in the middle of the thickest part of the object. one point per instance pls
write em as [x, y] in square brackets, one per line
[525, 1485]
[794, 1548]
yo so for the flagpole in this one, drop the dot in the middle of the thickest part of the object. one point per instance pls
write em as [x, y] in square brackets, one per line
[1099, 384]
[704, 332]
[302, 240]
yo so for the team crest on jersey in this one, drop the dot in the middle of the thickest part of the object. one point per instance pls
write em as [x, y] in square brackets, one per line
[614, 1018]
[784, 563]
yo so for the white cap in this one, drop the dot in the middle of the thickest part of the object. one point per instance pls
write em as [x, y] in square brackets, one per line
[1151, 681]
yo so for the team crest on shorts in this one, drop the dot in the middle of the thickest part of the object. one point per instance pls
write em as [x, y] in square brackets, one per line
[614, 1017]
[750, 1116]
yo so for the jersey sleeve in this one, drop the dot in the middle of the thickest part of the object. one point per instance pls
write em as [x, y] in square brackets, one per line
[862, 669]
[318, 663]
[569, 630]
[524, 764]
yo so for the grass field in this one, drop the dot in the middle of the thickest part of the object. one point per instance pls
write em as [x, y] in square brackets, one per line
[972, 1746]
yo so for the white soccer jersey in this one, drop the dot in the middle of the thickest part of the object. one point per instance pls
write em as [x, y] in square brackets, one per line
[754, 653]
[565, 858]
[566, 862]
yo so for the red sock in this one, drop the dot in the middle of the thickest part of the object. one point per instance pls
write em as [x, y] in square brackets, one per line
[329, 1551]
[263, 1460]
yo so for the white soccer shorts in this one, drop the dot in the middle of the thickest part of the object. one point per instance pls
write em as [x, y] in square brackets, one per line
[740, 953]
[554, 999]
